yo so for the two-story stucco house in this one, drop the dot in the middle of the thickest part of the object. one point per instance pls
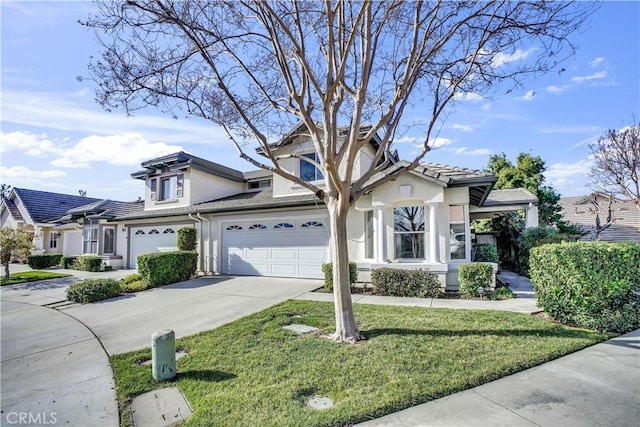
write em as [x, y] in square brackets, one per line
[258, 223]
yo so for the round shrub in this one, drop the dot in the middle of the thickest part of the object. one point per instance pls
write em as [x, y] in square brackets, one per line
[405, 283]
[187, 239]
[327, 269]
[92, 290]
[133, 283]
[474, 276]
[503, 293]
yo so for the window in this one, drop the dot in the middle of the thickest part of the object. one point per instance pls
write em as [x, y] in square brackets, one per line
[90, 239]
[108, 240]
[169, 231]
[258, 227]
[53, 239]
[457, 233]
[312, 224]
[263, 183]
[233, 228]
[308, 171]
[283, 225]
[408, 226]
[139, 232]
[368, 234]
[168, 188]
[154, 231]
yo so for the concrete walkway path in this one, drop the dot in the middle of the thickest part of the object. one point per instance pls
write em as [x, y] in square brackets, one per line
[54, 370]
[597, 386]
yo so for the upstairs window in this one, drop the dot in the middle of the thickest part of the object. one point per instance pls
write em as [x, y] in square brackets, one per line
[308, 171]
[263, 183]
[408, 227]
[167, 188]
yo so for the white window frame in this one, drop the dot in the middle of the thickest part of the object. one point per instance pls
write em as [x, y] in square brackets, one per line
[422, 233]
[317, 174]
[452, 233]
[90, 239]
[53, 240]
[104, 241]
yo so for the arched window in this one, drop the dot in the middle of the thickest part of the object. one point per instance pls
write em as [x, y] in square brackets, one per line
[233, 227]
[257, 227]
[154, 231]
[168, 231]
[283, 225]
[312, 224]
[139, 232]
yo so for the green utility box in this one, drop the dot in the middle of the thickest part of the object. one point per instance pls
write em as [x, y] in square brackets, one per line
[163, 354]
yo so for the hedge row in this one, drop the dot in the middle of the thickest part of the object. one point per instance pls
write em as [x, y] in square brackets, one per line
[38, 262]
[592, 284]
[405, 283]
[162, 268]
[92, 290]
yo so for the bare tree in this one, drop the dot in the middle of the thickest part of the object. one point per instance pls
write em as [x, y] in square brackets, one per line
[616, 166]
[599, 227]
[256, 68]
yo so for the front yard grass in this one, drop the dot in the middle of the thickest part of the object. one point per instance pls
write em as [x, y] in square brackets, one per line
[31, 276]
[253, 372]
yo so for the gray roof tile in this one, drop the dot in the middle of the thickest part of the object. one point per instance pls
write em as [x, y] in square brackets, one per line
[44, 206]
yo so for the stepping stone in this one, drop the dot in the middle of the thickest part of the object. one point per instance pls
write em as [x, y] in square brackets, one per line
[160, 408]
[319, 402]
[300, 329]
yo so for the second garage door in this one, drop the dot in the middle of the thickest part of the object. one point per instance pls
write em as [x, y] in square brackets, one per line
[282, 248]
[155, 238]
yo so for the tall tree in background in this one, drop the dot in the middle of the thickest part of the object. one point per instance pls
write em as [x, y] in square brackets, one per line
[256, 68]
[616, 168]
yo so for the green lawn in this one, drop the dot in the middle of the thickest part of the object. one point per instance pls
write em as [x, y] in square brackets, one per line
[253, 372]
[31, 276]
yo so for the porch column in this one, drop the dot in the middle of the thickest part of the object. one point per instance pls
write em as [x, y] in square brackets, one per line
[531, 216]
[380, 231]
[38, 238]
[434, 234]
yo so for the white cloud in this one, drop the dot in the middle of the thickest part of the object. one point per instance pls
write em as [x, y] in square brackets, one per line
[596, 62]
[468, 96]
[29, 143]
[462, 128]
[594, 76]
[557, 89]
[528, 96]
[15, 174]
[565, 174]
[475, 152]
[502, 58]
[122, 150]
[439, 142]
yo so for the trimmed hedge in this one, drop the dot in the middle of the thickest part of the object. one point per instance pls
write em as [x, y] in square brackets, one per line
[88, 263]
[68, 261]
[133, 283]
[591, 284]
[485, 252]
[327, 269]
[92, 290]
[474, 276]
[38, 262]
[163, 268]
[405, 283]
[187, 239]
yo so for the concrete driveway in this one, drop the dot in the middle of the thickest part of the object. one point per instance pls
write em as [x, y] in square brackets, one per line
[126, 323]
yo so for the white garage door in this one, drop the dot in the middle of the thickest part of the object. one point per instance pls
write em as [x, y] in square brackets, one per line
[282, 248]
[145, 240]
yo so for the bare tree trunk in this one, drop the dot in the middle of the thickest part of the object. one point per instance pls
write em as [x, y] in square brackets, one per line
[346, 326]
[6, 271]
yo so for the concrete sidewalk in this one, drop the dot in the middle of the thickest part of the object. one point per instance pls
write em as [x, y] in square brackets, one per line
[54, 370]
[597, 386]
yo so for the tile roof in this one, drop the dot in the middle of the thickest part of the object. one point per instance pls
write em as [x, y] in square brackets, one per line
[242, 201]
[13, 209]
[44, 206]
[510, 196]
[105, 209]
[181, 160]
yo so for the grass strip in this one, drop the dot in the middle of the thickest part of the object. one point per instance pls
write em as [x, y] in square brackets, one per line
[31, 276]
[254, 372]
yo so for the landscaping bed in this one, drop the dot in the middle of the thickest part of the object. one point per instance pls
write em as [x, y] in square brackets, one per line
[254, 372]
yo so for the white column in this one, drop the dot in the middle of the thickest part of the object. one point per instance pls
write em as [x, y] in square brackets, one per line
[38, 238]
[380, 233]
[531, 216]
[434, 234]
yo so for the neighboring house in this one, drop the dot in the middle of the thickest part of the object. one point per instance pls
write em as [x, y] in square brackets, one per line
[582, 211]
[258, 223]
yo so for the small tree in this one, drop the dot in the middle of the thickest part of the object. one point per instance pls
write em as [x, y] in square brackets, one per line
[187, 239]
[13, 242]
[616, 166]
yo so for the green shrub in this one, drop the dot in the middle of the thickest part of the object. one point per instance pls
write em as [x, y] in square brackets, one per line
[68, 261]
[187, 239]
[534, 237]
[503, 293]
[133, 283]
[327, 269]
[485, 252]
[162, 268]
[38, 262]
[88, 263]
[474, 276]
[592, 284]
[405, 283]
[93, 290]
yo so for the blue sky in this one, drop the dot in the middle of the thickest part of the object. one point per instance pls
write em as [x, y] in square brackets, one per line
[54, 137]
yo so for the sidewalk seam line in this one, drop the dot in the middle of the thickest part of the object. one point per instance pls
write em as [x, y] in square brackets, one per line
[504, 407]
